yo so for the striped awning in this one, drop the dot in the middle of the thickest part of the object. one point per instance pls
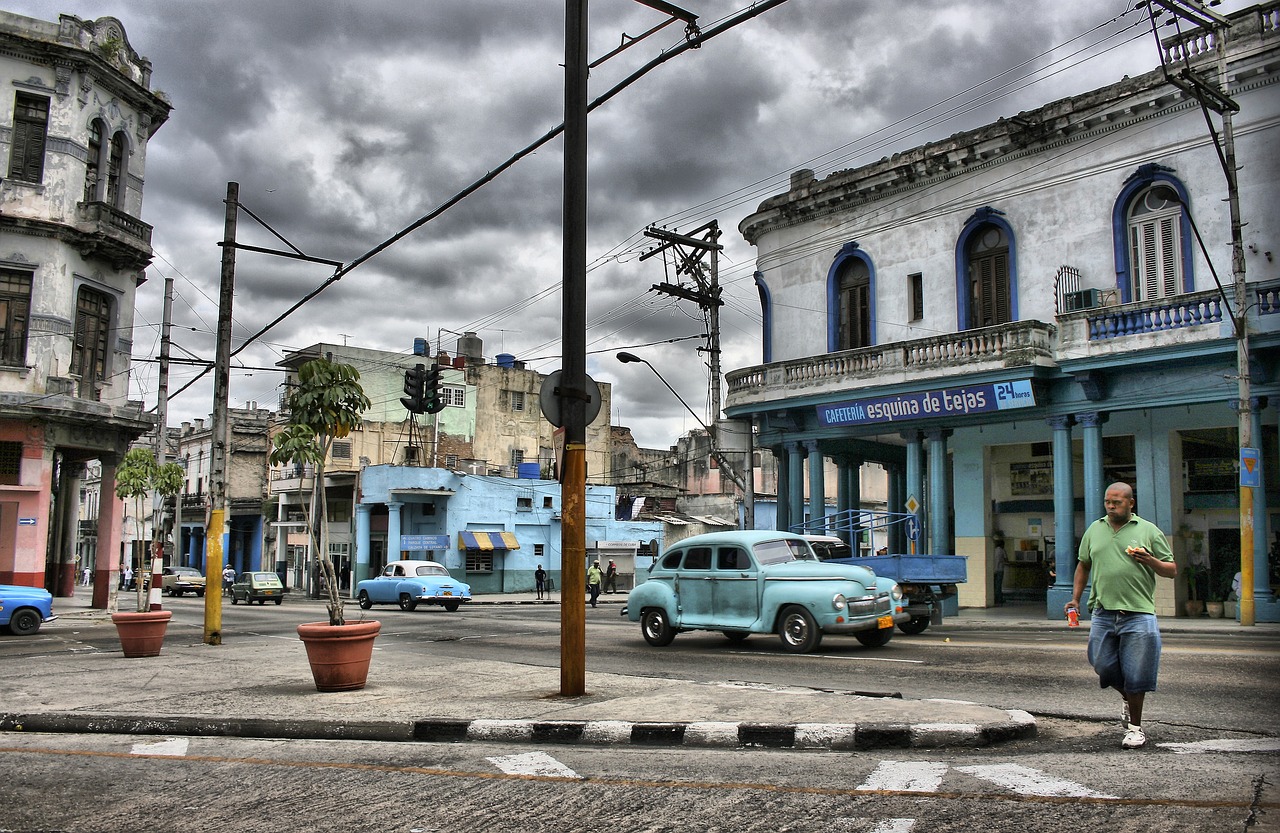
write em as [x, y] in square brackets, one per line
[487, 541]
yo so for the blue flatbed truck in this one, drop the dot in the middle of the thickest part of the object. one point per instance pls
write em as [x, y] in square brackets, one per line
[926, 580]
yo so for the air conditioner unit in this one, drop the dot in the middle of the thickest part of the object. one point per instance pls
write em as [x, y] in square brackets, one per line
[1082, 299]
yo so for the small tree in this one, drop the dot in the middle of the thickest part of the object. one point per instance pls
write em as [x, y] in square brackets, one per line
[138, 474]
[326, 404]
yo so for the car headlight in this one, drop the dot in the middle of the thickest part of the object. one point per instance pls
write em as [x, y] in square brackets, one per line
[838, 601]
[896, 592]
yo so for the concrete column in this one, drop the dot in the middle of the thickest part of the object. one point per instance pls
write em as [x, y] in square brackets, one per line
[110, 523]
[1266, 608]
[842, 497]
[69, 526]
[393, 530]
[783, 511]
[363, 511]
[1064, 518]
[1091, 424]
[817, 486]
[795, 483]
[939, 492]
[915, 480]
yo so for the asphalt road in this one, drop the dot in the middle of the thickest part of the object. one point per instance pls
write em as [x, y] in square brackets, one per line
[1212, 763]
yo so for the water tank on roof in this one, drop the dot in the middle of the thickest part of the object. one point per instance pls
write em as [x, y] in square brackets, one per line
[529, 471]
[459, 361]
[471, 346]
[505, 360]
[419, 347]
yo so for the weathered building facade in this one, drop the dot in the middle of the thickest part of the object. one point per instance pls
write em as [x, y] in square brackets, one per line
[1013, 317]
[77, 114]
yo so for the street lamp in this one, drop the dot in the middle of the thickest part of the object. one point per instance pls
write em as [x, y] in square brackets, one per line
[746, 486]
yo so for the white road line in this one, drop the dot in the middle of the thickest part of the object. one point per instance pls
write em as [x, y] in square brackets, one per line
[916, 777]
[176, 747]
[1224, 745]
[1027, 781]
[866, 825]
[858, 659]
[532, 763]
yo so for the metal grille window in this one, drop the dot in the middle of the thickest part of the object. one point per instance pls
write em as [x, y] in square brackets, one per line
[479, 561]
[516, 398]
[89, 352]
[517, 457]
[15, 305]
[341, 450]
[1155, 247]
[30, 126]
[10, 463]
[451, 461]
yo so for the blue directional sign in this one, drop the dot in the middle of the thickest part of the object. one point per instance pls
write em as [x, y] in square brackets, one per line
[1250, 468]
[913, 528]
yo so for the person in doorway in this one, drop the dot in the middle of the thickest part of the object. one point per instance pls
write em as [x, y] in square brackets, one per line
[228, 579]
[999, 560]
[1123, 555]
[611, 578]
[540, 581]
[594, 577]
[126, 578]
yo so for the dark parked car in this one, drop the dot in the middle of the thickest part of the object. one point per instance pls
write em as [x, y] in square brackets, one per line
[23, 609]
[257, 587]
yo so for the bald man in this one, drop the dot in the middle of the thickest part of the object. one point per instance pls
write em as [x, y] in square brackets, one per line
[1123, 554]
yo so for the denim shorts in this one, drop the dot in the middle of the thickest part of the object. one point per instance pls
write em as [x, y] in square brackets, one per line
[1124, 648]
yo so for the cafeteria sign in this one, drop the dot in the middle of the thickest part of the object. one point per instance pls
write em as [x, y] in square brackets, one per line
[948, 402]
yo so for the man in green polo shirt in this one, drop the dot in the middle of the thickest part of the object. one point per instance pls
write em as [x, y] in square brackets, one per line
[1123, 554]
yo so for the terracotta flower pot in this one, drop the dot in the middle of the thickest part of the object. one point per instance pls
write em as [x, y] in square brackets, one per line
[339, 654]
[142, 634]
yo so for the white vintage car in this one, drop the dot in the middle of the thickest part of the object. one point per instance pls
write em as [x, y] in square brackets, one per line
[411, 583]
[755, 581]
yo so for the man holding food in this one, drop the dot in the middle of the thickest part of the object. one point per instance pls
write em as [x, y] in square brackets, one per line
[1123, 554]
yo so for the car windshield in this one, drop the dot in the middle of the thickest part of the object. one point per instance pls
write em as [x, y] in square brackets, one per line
[432, 570]
[266, 578]
[826, 550]
[782, 551]
[185, 571]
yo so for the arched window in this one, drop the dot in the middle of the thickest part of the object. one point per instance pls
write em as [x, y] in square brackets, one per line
[93, 165]
[1155, 245]
[986, 271]
[1152, 236]
[117, 171]
[766, 315]
[851, 300]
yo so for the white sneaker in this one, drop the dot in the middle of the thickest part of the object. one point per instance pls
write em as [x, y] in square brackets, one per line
[1134, 738]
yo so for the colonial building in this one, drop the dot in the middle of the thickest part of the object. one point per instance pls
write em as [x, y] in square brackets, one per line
[1013, 317]
[76, 118]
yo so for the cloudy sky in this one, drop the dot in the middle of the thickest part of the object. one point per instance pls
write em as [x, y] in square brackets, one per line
[344, 122]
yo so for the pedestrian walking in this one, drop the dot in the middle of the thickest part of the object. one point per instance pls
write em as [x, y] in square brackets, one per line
[126, 577]
[1001, 558]
[540, 581]
[594, 576]
[228, 579]
[84, 579]
[1123, 554]
[611, 578]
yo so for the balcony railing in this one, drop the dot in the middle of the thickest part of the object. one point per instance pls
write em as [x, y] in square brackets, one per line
[115, 222]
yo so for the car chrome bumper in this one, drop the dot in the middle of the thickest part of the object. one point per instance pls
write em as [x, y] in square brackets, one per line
[867, 623]
[440, 600]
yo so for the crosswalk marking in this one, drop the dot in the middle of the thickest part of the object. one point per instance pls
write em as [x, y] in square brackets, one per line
[532, 763]
[1027, 781]
[176, 747]
[1224, 745]
[923, 777]
[868, 825]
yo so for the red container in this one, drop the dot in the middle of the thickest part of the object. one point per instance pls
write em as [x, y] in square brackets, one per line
[1073, 618]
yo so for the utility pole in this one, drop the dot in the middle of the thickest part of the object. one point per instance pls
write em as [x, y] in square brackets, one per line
[162, 415]
[216, 527]
[691, 250]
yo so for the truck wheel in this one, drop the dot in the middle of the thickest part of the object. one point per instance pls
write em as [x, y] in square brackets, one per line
[24, 622]
[799, 631]
[914, 625]
[656, 628]
[875, 639]
[407, 602]
[364, 600]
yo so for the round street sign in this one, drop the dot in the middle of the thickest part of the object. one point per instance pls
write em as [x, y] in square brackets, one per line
[549, 399]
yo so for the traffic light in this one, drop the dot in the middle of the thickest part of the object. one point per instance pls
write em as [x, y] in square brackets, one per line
[415, 380]
[432, 395]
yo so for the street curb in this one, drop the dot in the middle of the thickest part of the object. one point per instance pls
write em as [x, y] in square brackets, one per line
[832, 736]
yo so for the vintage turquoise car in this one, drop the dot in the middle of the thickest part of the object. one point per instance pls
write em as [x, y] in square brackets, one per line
[411, 583]
[755, 581]
[23, 609]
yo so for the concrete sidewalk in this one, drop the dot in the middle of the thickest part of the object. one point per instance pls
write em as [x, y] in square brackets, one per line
[72, 677]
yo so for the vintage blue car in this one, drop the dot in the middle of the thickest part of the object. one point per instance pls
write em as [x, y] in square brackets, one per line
[24, 609]
[411, 583]
[755, 581]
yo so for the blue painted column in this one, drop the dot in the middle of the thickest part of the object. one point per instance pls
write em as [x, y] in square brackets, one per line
[795, 482]
[939, 492]
[1064, 519]
[782, 520]
[817, 485]
[393, 530]
[1266, 608]
[915, 480]
[1094, 489]
[843, 513]
[363, 547]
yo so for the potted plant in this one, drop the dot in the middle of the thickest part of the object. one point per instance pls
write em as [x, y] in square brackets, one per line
[326, 404]
[1193, 606]
[142, 630]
